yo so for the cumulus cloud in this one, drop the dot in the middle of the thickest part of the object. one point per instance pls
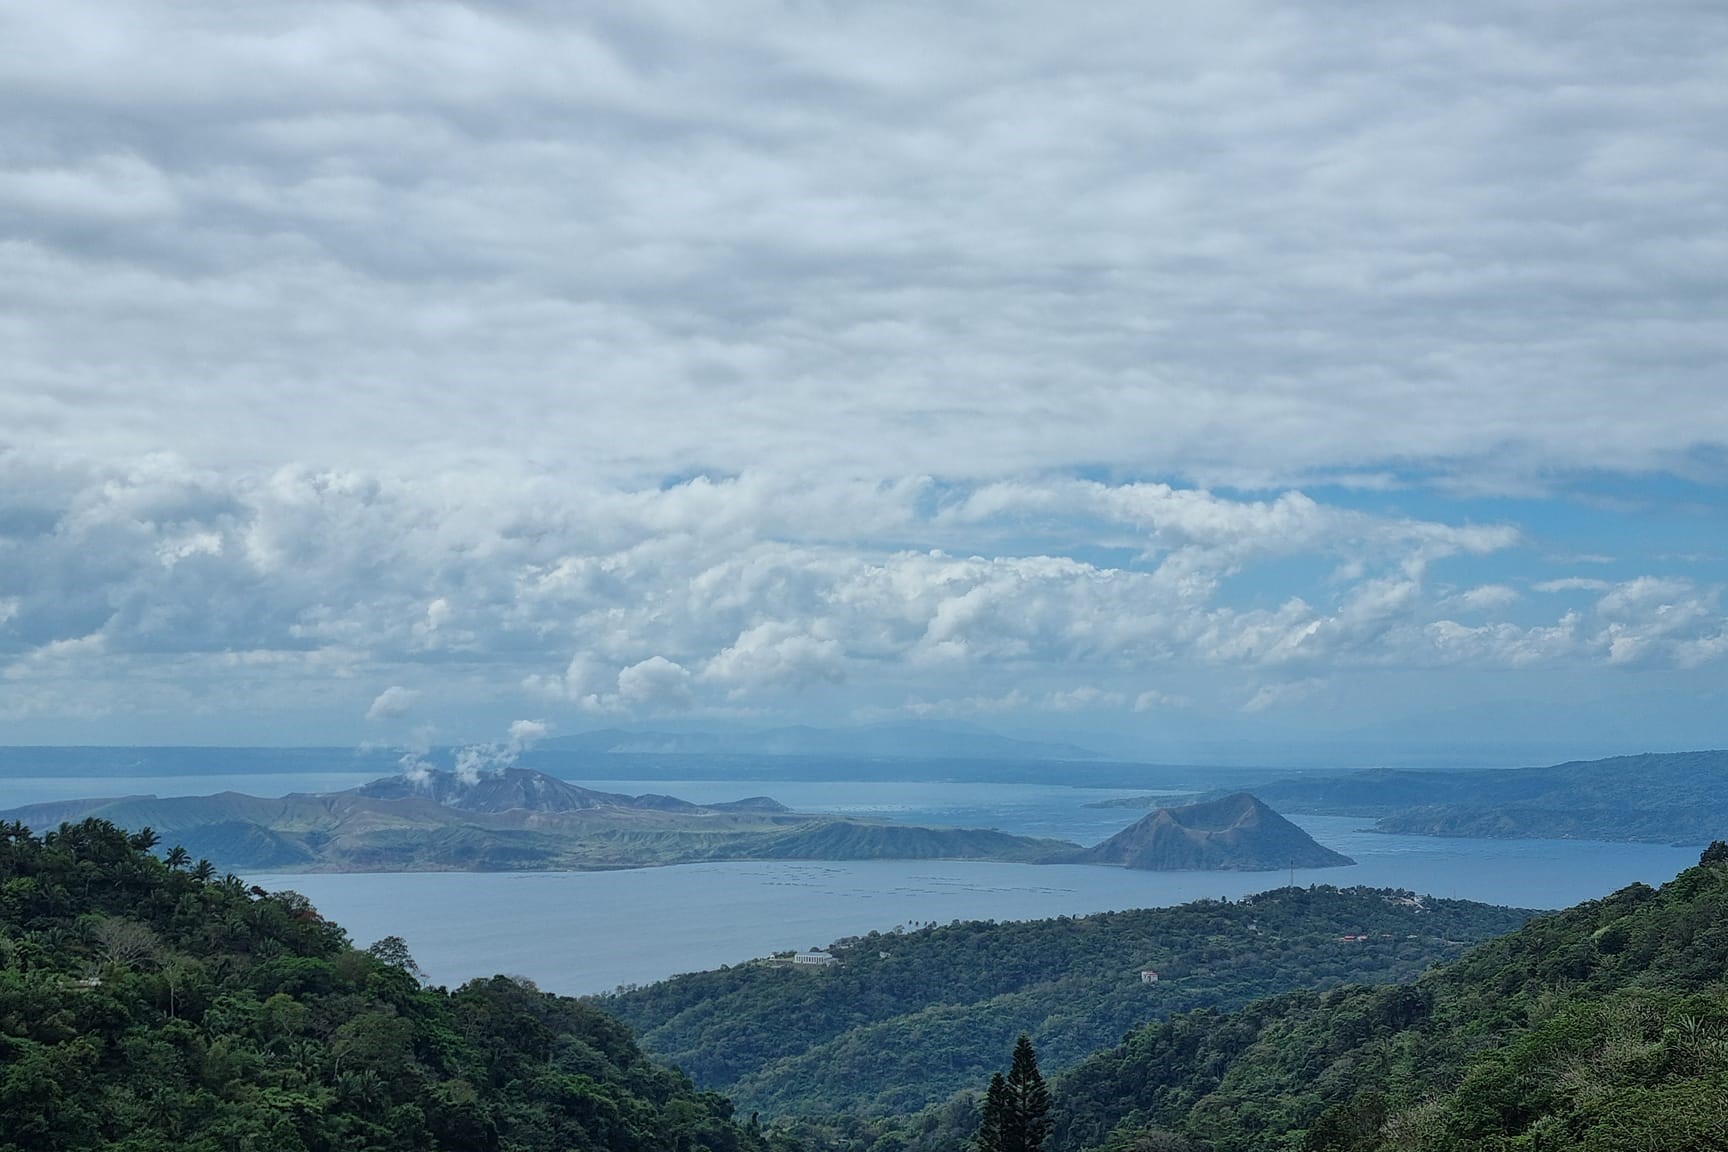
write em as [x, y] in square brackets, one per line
[714, 594]
[655, 684]
[393, 703]
[775, 654]
[524, 734]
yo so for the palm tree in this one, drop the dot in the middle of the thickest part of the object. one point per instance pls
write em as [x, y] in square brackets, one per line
[177, 857]
[203, 871]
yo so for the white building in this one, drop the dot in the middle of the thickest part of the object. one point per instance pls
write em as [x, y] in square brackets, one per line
[1147, 976]
[814, 959]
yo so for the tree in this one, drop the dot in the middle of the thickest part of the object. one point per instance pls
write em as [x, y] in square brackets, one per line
[127, 943]
[393, 950]
[177, 857]
[1017, 1107]
[1026, 1119]
[989, 1138]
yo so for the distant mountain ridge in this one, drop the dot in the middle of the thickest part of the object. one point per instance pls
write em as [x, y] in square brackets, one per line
[917, 741]
[1661, 798]
[1235, 833]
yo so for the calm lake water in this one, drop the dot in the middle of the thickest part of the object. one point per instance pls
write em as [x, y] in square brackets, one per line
[580, 932]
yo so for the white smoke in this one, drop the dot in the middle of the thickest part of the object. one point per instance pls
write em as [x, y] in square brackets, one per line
[415, 765]
[477, 760]
[415, 768]
[524, 734]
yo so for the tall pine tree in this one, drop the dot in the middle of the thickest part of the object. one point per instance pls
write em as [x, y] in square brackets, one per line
[1017, 1108]
[990, 1127]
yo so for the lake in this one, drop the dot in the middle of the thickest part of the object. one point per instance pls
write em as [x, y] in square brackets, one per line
[582, 932]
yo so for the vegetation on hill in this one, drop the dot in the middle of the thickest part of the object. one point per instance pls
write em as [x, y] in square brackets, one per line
[146, 1007]
[1659, 798]
[904, 1020]
[1604, 1027]
[1016, 1112]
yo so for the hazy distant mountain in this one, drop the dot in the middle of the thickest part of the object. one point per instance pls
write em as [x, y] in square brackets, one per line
[1234, 833]
[1664, 798]
[887, 741]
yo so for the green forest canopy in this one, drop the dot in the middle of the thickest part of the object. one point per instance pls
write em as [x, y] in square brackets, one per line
[148, 1008]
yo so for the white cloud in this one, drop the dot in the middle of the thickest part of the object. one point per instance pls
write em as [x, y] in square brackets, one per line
[776, 654]
[393, 703]
[1152, 700]
[880, 354]
[1573, 584]
[654, 685]
[1084, 698]
[1282, 695]
[1483, 598]
[723, 595]
[302, 233]
[524, 734]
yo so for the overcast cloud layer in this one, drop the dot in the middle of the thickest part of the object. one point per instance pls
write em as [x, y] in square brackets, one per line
[369, 369]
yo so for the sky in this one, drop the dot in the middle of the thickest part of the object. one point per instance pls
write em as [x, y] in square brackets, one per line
[1168, 378]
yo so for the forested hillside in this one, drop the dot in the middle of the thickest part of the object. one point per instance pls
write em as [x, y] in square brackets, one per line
[145, 1007]
[906, 1019]
[1604, 1027]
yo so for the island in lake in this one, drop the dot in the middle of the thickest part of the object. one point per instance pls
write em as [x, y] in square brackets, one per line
[518, 819]
[1232, 833]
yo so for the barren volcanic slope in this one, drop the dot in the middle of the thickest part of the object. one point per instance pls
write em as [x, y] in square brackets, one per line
[1236, 833]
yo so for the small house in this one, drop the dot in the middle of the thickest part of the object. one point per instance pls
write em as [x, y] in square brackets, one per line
[813, 959]
[1147, 976]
